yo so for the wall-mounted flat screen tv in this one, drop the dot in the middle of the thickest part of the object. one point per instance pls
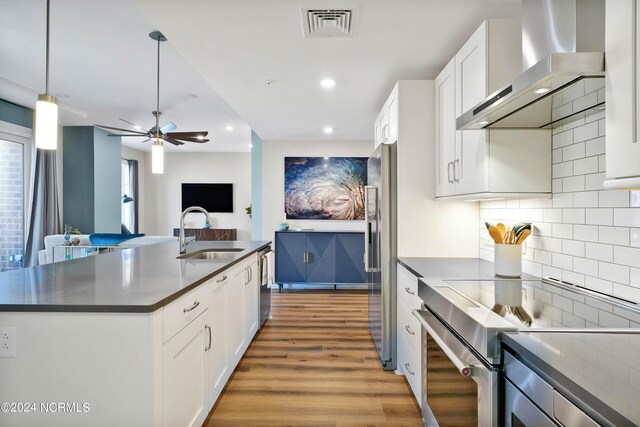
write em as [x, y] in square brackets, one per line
[212, 197]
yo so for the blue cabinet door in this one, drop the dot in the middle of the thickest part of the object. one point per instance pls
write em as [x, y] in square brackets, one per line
[321, 255]
[350, 258]
[290, 260]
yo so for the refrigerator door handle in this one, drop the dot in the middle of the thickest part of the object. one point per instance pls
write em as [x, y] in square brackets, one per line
[370, 212]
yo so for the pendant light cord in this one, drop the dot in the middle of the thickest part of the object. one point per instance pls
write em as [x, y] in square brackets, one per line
[46, 91]
[157, 95]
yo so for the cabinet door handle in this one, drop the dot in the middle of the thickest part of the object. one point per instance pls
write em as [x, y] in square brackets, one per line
[207, 327]
[193, 306]
[222, 279]
[408, 328]
[455, 170]
[250, 274]
[304, 257]
[409, 291]
[449, 172]
[406, 365]
[385, 133]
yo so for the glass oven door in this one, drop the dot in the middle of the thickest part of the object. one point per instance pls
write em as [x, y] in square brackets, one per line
[457, 387]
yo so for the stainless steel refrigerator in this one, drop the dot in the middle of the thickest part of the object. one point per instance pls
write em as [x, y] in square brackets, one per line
[380, 251]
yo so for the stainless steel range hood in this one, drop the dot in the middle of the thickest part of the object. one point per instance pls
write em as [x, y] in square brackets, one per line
[562, 51]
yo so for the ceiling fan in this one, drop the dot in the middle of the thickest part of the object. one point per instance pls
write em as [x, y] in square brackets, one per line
[165, 132]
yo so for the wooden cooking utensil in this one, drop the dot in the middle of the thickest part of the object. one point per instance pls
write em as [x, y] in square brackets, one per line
[502, 229]
[495, 234]
[523, 235]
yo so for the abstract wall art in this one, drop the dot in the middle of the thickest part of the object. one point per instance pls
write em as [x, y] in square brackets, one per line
[324, 187]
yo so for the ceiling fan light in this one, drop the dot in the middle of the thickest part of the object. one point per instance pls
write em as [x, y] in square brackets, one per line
[46, 133]
[157, 157]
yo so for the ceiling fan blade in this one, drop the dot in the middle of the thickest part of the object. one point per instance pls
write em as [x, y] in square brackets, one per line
[110, 128]
[173, 141]
[123, 135]
[168, 127]
[148, 139]
[134, 125]
[196, 140]
[192, 134]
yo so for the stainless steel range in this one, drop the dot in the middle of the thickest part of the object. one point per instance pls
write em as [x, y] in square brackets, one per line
[462, 324]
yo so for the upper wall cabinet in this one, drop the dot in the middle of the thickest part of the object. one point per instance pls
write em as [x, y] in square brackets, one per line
[477, 164]
[622, 94]
[386, 126]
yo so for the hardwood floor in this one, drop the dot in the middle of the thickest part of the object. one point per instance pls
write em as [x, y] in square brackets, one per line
[314, 364]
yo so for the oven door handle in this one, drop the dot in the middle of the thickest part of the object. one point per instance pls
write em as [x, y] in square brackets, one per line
[465, 369]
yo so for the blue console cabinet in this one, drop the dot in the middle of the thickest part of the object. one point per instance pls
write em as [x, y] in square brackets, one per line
[332, 257]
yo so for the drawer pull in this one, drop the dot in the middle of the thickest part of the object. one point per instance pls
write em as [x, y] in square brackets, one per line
[193, 306]
[207, 348]
[409, 291]
[222, 279]
[408, 328]
[406, 365]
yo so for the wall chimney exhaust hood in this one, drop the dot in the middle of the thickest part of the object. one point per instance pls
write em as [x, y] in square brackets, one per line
[562, 45]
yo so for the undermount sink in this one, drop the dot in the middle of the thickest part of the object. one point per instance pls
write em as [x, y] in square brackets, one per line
[212, 254]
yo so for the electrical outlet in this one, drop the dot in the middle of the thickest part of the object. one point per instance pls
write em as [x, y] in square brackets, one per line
[7, 341]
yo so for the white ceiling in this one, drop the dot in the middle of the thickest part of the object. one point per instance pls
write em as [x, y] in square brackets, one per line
[103, 59]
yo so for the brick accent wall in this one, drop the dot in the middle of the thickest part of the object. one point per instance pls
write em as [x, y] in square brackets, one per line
[11, 205]
[584, 234]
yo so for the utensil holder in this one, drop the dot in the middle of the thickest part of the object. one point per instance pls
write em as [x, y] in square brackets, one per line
[508, 260]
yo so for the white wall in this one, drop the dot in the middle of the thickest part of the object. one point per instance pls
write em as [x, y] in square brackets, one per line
[163, 192]
[273, 154]
[584, 235]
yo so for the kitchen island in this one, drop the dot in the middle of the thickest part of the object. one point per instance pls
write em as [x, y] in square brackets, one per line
[135, 337]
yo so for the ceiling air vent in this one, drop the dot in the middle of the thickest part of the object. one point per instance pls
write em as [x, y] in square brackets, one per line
[328, 22]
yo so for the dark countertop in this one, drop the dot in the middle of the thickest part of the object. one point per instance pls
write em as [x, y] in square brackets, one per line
[453, 268]
[132, 280]
[597, 371]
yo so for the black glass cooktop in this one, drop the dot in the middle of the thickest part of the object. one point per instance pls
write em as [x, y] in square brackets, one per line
[543, 304]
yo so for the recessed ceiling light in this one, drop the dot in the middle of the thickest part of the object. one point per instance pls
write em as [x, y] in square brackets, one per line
[250, 145]
[327, 130]
[328, 83]
[229, 128]
[542, 90]
[137, 127]
[483, 123]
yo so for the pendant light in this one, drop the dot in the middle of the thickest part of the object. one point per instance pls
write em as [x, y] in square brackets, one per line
[157, 151]
[47, 109]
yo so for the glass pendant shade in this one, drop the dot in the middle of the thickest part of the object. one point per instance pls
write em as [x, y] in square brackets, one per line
[46, 123]
[157, 157]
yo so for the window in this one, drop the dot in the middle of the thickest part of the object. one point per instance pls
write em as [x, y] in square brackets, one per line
[129, 195]
[12, 185]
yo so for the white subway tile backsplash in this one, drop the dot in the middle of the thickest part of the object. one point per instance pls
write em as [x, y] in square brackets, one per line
[573, 183]
[626, 217]
[614, 199]
[594, 181]
[599, 251]
[585, 266]
[588, 131]
[627, 256]
[563, 139]
[573, 247]
[614, 272]
[561, 170]
[595, 147]
[584, 234]
[614, 235]
[574, 151]
[573, 92]
[599, 216]
[562, 261]
[586, 165]
[573, 216]
[634, 236]
[585, 199]
[587, 233]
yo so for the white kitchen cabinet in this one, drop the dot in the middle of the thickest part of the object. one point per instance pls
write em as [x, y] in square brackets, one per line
[386, 125]
[251, 295]
[409, 330]
[185, 375]
[622, 44]
[236, 299]
[477, 164]
[218, 355]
